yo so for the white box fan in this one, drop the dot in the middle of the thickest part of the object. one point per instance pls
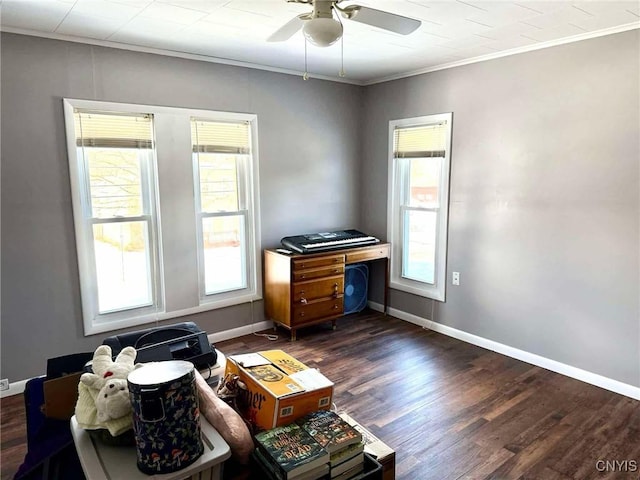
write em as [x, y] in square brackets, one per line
[356, 282]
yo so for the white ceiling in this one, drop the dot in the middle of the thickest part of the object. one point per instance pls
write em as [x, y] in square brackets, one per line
[235, 31]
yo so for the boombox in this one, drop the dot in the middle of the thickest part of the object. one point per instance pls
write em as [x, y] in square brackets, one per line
[181, 341]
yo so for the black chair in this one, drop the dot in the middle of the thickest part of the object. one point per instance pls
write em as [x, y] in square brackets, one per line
[51, 453]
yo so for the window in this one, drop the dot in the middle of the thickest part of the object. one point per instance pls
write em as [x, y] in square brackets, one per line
[116, 219]
[221, 155]
[418, 203]
[165, 211]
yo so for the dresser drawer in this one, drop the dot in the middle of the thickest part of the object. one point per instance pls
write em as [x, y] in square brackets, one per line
[372, 253]
[313, 262]
[314, 311]
[313, 289]
[301, 275]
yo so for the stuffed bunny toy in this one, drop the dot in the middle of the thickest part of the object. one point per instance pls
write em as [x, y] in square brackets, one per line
[110, 379]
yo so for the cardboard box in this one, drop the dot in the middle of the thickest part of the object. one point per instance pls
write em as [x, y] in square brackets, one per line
[61, 396]
[280, 389]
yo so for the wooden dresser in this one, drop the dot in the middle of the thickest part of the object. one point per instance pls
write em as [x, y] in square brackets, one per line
[302, 290]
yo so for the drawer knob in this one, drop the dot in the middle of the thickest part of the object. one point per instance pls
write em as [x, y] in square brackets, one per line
[302, 314]
[335, 307]
[336, 271]
[303, 300]
[302, 265]
[303, 276]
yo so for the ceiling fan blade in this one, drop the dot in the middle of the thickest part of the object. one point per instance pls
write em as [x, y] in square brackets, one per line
[378, 18]
[286, 31]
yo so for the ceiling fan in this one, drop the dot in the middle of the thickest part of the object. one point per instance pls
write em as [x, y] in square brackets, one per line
[321, 28]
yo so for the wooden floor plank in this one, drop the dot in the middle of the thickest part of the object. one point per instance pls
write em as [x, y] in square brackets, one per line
[451, 410]
[13, 435]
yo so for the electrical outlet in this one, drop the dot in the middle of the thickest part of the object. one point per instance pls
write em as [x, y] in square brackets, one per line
[4, 384]
[456, 278]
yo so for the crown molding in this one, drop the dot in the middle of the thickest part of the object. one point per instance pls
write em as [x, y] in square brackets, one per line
[508, 53]
[174, 53]
[412, 73]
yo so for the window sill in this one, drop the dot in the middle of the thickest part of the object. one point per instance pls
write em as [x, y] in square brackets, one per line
[114, 325]
[433, 293]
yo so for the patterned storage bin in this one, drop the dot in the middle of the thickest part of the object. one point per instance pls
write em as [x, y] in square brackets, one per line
[166, 418]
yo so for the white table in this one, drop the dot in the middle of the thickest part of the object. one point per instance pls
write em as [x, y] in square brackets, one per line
[107, 462]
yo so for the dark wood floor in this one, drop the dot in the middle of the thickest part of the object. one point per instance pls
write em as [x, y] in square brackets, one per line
[13, 435]
[449, 409]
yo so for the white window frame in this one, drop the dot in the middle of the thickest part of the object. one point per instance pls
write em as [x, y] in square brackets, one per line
[247, 194]
[395, 213]
[168, 303]
[94, 321]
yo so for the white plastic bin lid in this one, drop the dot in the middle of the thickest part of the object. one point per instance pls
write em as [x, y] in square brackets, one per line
[158, 373]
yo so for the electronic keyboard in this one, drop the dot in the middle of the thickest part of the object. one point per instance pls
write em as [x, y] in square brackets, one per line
[325, 241]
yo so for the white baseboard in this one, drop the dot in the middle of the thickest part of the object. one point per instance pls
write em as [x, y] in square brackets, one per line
[17, 388]
[553, 365]
[238, 332]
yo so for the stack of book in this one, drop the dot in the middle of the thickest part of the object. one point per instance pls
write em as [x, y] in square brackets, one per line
[342, 442]
[318, 445]
[290, 453]
[375, 448]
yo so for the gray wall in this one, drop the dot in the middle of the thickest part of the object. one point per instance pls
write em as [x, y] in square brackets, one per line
[544, 217]
[544, 213]
[309, 168]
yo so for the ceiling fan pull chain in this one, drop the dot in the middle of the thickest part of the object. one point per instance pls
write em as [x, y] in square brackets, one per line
[306, 73]
[341, 72]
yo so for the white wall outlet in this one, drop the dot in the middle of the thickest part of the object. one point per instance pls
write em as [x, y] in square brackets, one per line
[4, 384]
[455, 278]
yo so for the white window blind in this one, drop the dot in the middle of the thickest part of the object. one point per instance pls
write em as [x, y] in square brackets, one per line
[220, 137]
[112, 130]
[420, 141]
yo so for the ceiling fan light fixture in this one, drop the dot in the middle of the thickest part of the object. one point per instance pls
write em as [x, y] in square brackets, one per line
[322, 32]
